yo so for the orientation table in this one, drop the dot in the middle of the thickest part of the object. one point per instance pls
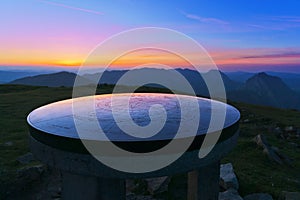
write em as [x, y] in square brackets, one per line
[54, 139]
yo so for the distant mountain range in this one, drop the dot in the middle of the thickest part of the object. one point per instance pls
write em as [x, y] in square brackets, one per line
[194, 78]
[261, 88]
[290, 79]
[66, 79]
[8, 76]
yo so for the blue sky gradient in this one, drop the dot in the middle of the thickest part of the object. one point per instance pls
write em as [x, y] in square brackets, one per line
[58, 32]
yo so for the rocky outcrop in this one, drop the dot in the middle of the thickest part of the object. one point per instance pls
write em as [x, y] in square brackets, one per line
[230, 194]
[228, 178]
[139, 197]
[49, 183]
[272, 152]
[258, 196]
[152, 186]
[289, 196]
[8, 144]
[136, 186]
[32, 173]
[158, 185]
[26, 158]
[137, 190]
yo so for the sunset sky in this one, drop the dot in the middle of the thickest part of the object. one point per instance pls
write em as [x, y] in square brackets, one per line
[251, 35]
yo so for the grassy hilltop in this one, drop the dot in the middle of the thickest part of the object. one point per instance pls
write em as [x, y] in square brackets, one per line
[256, 173]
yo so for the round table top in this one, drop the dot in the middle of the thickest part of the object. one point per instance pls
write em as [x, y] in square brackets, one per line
[55, 124]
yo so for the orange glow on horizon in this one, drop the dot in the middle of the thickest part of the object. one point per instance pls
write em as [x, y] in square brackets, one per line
[137, 58]
[68, 63]
[234, 57]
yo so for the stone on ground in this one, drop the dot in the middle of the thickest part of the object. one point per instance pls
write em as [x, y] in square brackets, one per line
[31, 173]
[230, 194]
[228, 178]
[26, 158]
[139, 197]
[289, 195]
[158, 185]
[258, 196]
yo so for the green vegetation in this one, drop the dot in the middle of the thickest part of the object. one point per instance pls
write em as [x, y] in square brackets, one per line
[16, 103]
[255, 171]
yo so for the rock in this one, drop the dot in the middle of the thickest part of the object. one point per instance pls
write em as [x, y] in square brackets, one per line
[139, 187]
[246, 121]
[277, 131]
[282, 136]
[258, 196]
[295, 145]
[54, 191]
[228, 178]
[136, 186]
[130, 185]
[158, 185]
[272, 155]
[293, 180]
[130, 196]
[261, 141]
[276, 149]
[272, 152]
[31, 173]
[230, 194]
[139, 197]
[289, 128]
[282, 156]
[26, 158]
[8, 143]
[289, 195]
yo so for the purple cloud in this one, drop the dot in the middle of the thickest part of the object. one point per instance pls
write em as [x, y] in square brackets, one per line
[277, 55]
[276, 22]
[285, 18]
[204, 19]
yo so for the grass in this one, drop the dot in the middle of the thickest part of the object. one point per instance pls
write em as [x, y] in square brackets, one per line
[16, 103]
[256, 173]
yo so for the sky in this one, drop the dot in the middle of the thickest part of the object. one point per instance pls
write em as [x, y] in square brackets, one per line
[256, 35]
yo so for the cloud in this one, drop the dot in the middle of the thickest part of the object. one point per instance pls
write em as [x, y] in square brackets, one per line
[277, 55]
[274, 27]
[257, 57]
[285, 18]
[71, 7]
[204, 19]
[276, 22]
[257, 26]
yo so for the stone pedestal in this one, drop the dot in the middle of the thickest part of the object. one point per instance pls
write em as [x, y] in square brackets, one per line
[204, 183]
[54, 139]
[78, 187]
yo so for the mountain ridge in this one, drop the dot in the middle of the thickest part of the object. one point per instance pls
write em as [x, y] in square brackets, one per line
[290, 79]
[57, 79]
[260, 89]
[267, 90]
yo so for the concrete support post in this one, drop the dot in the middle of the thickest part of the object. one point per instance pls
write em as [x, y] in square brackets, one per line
[203, 184]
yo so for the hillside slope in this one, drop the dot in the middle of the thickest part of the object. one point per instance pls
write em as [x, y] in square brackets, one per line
[51, 80]
[256, 173]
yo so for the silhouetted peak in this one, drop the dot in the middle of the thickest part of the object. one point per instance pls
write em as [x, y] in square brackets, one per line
[62, 73]
[262, 74]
